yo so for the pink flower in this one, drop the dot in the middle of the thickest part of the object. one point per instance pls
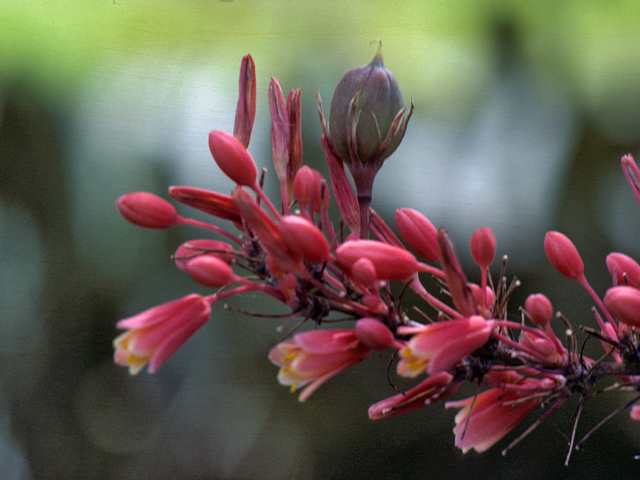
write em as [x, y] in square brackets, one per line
[439, 346]
[156, 334]
[489, 416]
[431, 390]
[312, 358]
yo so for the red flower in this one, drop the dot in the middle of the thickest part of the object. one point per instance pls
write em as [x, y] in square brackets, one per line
[156, 334]
[314, 357]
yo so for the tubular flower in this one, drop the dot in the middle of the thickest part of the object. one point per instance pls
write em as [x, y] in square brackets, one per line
[155, 334]
[489, 416]
[439, 346]
[312, 358]
[319, 273]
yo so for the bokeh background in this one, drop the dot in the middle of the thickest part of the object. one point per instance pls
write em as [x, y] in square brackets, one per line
[523, 110]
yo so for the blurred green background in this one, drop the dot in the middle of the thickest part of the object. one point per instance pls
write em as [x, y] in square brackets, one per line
[523, 110]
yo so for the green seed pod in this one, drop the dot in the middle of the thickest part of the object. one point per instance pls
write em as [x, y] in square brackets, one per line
[366, 120]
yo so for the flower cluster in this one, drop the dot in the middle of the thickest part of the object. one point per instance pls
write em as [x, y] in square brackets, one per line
[294, 253]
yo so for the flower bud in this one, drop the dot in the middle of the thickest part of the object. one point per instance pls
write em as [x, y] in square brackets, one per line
[373, 334]
[210, 271]
[623, 303]
[147, 210]
[214, 203]
[563, 255]
[303, 238]
[366, 121]
[195, 248]
[390, 262]
[233, 158]
[483, 246]
[304, 186]
[539, 309]
[625, 269]
[418, 232]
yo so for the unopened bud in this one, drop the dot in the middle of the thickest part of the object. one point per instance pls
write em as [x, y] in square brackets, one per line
[195, 248]
[625, 269]
[418, 232]
[210, 271]
[563, 255]
[483, 246]
[366, 120]
[373, 334]
[303, 186]
[391, 262]
[303, 238]
[214, 203]
[147, 210]
[233, 158]
[539, 309]
[623, 303]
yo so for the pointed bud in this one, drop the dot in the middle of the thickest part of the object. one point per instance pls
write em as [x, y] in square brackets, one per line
[623, 303]
[233, 158]
[563, 255]
[303, 238]
[195, 248]
[214, 203]
[280, 129]
[391, 262]
[624, 269]
[632, 173]
[246, 109]
[147, 210]
[295, 138]
[373, 334]
[483, 246]
[460, 292]
[418, 232]
[210, 271]
[345, 197]
[539, 309]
